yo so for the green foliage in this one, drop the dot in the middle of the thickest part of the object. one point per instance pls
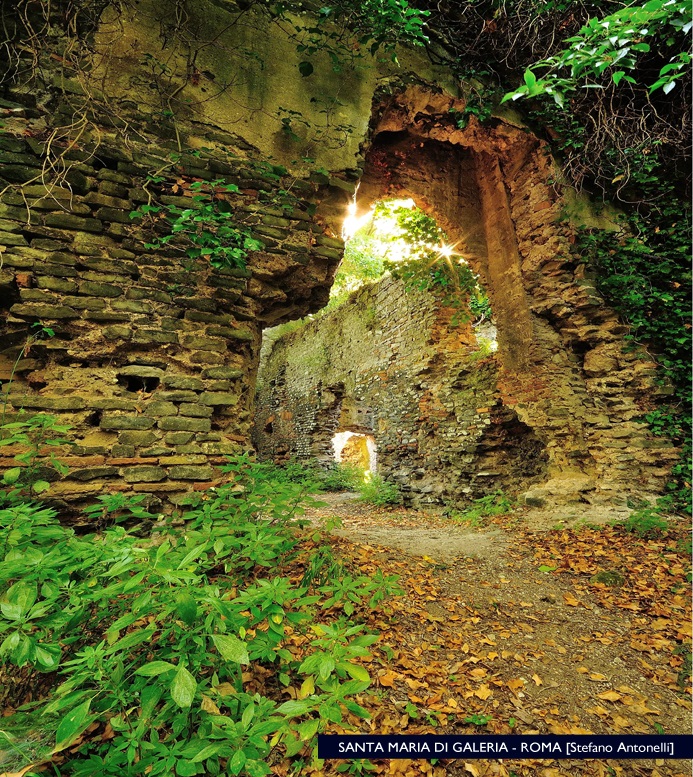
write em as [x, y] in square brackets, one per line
[152, 636]
[380, 492]
[342, 477]
[478, 719]
[487, 506]
[207, 229]
[612, 44]
[644, 273]
[646, 521]
[33, 466]
[346, 30]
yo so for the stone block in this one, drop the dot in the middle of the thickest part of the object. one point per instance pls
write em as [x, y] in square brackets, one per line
[160, 409]
[203, 343]
[206, 357]
[218, 398]
[141, 371]
[85, 303]
[107, 201]
[195, 410]
[157, 450]
[131, 306]
[123, 451]
[91, 289]
[44, 312]
[137, 438]
[111, 403]
[113, 215]
[117, 332]
[178, 438]
[178, 424]
[183, 382]
[12, 239]
[144, 474]
[70, 221]
[56, 284]
[118, 422]
[154, 336]
[222, 373]
[177, 396]
[106, 315]
[208, 318]
[188, 458]
[50, 403]
[153, 294]
[93, 473]
[190, 472]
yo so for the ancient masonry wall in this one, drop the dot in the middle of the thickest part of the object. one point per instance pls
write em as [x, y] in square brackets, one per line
[390, 363]
[153, 356]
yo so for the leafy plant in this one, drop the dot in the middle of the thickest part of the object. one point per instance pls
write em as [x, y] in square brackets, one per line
[208, 227]
[33, 466]
[646, 522]
[154, 638]
[496, 503]
[380, 492]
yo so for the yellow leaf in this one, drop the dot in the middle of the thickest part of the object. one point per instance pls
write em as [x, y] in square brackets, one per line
[609, 696]
[598, 678]
[537, 679]
[209, 706]
[483, 692]
[571, 600]
[307, 688]
[387, 680]
[224, 689]
[515, 684]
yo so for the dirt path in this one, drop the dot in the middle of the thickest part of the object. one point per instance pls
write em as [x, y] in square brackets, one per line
[484, 640]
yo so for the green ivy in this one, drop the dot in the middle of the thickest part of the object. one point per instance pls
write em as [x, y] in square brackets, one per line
[207, 229]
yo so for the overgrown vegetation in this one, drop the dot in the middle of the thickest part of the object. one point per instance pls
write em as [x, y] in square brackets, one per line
[176, 653]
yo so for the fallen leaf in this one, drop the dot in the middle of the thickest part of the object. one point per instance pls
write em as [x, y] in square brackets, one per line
[537, 679]
[609, 696]
[571, 600]
[483, 692]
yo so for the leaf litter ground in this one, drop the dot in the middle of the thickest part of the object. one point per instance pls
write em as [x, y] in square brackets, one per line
[505, 628]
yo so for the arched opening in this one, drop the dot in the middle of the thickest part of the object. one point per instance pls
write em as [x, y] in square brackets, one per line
[357, 449]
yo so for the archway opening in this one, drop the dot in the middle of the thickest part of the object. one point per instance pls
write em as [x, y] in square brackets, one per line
[356, 449]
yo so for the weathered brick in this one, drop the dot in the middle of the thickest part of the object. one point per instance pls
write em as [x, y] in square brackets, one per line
[51, 403]
[137, 438]
[93, 473]
[126, 422]
[44, 312]
[183, 382]
[111, 215]
[190, 472]
[178, 438]
[218, 398]
[144, 474]
[203, 343]
[222, 373]
[111, 403]
[195, 410]
[70, 221]
[57, 284]
[177, 396]
[178, 424]
[160, 408]
[88, 288]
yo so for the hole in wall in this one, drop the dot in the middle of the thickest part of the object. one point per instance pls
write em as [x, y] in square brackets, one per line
[136, 383]
[94, 419]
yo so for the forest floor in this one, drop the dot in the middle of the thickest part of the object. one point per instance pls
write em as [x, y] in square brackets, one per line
[504, 628]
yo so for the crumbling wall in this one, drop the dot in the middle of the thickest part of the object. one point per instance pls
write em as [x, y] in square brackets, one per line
[152, 357]
[391, 364]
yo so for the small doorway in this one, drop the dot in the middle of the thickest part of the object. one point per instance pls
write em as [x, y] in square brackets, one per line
[356, 449]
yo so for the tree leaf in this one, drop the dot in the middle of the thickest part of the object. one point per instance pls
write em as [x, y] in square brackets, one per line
[183, 687]
[72, 725]
[154, 668]
[231, 648]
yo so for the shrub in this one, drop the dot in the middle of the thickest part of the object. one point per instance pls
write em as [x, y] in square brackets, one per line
[154, 639]
[380, 492]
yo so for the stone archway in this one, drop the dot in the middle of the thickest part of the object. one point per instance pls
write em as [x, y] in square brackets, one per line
[562, 371]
